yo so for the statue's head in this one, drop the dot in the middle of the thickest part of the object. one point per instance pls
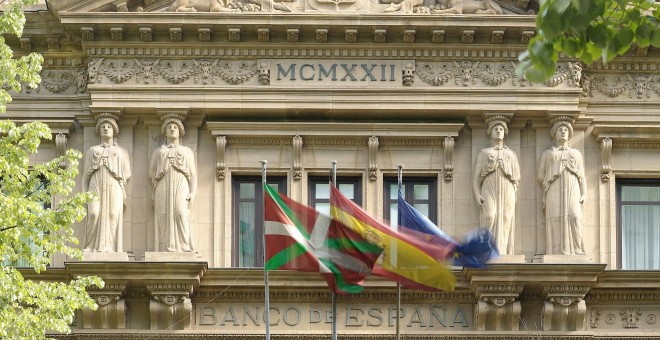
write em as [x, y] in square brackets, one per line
[111, 122]
[558, 124]
[170, 121]
[494, 123]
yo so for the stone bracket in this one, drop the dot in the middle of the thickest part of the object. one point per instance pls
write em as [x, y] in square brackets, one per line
[170, 307]
[498, 308]
[448, 146]
[220, 165]
[564, 308]
[373, 158]
[605, 154]
[297, 168]
[111, 311]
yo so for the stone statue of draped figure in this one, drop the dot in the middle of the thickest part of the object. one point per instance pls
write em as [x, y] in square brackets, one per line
[495, 183]
[561, 172]
[173, 173]
[106, 170]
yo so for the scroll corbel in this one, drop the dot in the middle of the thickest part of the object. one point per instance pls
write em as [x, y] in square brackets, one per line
[449, 158]
[297, 158]
[605, 154]
[60, 145]
[373, 158]
[220, 166]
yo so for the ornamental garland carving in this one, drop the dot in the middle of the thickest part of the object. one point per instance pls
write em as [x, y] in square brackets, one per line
[59, 81]
[635, 86]
[475, 73]
[151, 71]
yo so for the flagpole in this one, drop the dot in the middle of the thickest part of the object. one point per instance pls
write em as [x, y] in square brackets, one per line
[267, 290]
[399, 177]
[333, 180]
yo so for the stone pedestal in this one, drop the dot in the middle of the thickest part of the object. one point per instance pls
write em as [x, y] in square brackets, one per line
[508, 259]
[165, 256]
[565, 259]
[94, 256]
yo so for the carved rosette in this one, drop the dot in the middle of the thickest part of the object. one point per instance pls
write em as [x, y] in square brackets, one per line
[562, 300]
[497, 307]
[111, 311]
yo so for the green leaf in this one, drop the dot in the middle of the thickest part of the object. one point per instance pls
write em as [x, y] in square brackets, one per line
[655, 38]
[582, 6]
[560, 6]
[643, 35]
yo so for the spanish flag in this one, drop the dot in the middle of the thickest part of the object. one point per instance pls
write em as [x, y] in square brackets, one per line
[407, 258]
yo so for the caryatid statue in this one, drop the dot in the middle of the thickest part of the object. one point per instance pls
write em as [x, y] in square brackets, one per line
[173, 173]
[495, 183]
[561, 172]
[107, 169]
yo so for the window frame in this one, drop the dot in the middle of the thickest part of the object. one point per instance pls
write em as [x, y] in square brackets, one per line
[408, 192]
[313, 180]
[259, 213]
[620, 183]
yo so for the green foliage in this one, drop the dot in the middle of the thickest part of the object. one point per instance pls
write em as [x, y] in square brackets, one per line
[27, 222]
[588, 30]
[16, 72]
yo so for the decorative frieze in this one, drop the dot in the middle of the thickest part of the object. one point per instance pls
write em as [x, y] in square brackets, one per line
[632, 85]
[475, 73]
[205, 71]
[59, 81]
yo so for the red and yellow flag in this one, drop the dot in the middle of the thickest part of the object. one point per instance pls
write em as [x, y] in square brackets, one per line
[407, 258]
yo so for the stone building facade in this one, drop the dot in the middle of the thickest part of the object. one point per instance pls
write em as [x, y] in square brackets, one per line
[371, 85]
